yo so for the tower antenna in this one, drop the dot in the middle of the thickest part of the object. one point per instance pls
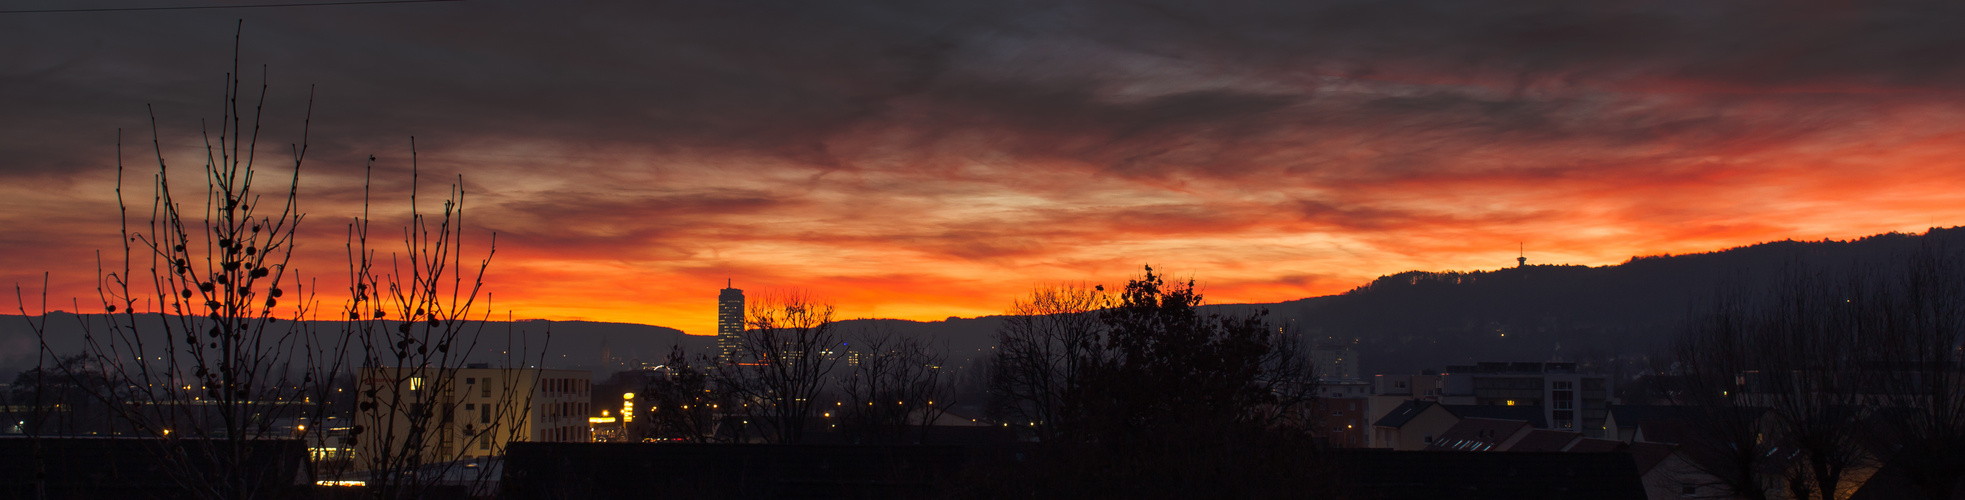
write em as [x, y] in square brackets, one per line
[1521, 255]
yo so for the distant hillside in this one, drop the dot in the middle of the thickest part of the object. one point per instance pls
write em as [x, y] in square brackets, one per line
[965, 339]
[1415, 320]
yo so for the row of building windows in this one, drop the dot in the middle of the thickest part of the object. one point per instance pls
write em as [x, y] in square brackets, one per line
[564, 385]
[566, 409]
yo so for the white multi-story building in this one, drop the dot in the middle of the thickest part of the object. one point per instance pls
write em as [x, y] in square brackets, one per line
[1571, 401]
[469, 412]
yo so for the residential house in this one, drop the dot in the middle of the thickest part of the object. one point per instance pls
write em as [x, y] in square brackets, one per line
[1481, 434]
[1416, 424]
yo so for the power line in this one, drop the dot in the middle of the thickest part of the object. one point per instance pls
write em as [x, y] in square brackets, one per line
[201, 7]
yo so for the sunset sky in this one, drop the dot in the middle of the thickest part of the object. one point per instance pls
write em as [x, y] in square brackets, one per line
[926, 159]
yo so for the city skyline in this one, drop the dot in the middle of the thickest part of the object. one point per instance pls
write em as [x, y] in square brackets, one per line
[940, 159]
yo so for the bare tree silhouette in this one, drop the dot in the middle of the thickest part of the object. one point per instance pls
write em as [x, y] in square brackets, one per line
[1920, 396]
[209, 347]
[217, 271]
[895, 385]
[1041, 355]
[1805, 387]
[1726, 436]
[409, 388]
[685, 405]
[789, 350]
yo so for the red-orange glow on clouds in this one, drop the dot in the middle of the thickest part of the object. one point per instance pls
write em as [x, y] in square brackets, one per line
[939, 159]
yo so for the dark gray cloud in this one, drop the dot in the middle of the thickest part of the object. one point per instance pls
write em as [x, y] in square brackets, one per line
[788, 79]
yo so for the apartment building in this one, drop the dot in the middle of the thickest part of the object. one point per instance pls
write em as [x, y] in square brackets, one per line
[469, 412]
[1572, 401]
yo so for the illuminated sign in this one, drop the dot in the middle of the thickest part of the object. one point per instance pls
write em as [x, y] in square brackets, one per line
[628, 407]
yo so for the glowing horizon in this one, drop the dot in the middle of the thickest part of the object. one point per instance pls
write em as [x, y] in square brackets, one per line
[939, 159]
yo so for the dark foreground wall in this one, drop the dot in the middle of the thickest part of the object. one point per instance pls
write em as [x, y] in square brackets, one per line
[603, 471]
[1463, 475]
[87, 467]
[648, 470]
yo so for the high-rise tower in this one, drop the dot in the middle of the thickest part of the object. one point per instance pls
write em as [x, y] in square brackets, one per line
[729, 322]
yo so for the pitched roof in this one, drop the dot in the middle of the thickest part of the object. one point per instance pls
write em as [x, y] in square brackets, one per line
[1532, 414]
[1545, 440]
[1594, 445]
[1404, 413]
[1665, 431]
[1478, 434]
[1684, 423]
[1649, 455]
[1635, 415]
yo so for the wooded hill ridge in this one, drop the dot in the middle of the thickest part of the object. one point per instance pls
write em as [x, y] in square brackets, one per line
[1415, 320]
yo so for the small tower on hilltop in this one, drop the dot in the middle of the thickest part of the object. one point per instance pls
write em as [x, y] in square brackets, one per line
[1521, 255]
